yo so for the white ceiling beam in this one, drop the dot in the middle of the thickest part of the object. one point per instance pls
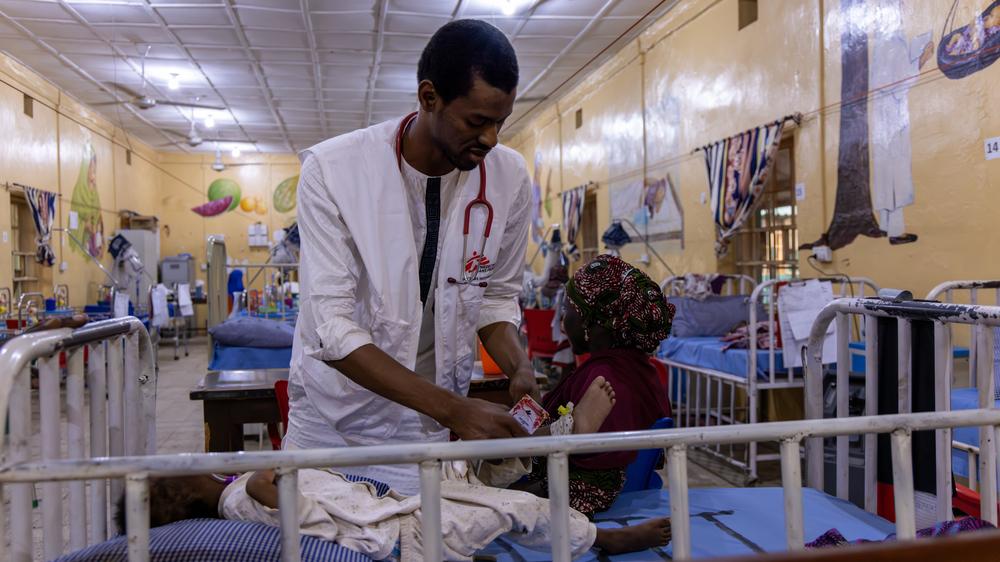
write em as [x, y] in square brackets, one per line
[316, 68]
[258, 72]
[380, 16]
[151, 10]
[85, 75]
[607, 7]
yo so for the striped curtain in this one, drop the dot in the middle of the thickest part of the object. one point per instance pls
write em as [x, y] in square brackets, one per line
[737, 171]
[43, 211]
[572, 201]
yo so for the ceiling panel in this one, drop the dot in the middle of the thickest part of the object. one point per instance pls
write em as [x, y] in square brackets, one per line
[200, 42]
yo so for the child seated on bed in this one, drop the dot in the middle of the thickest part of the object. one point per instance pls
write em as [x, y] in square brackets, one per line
[618, 315]
[383, 524]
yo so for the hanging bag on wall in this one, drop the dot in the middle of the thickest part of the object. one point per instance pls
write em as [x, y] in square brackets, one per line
[973, 46]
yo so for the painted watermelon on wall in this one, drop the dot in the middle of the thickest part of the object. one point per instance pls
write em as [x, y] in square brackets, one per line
[285, 194]
[225, 187]
[214, 208]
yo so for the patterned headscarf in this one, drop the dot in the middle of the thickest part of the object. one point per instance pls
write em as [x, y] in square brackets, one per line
[611, 293]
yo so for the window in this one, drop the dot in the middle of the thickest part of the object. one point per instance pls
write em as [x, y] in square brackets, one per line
[767, 245]
[29, 106]
[128, 157]
[748, 12]
[579, 118]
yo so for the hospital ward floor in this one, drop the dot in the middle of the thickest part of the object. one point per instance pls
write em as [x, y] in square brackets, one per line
[180, 429]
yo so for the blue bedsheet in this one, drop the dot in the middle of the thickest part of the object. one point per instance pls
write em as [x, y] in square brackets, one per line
[707, 352]
[964, 399]
[227, 358]
[725, 522]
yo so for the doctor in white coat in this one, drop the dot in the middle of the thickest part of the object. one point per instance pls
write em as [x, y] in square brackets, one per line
[396, 281]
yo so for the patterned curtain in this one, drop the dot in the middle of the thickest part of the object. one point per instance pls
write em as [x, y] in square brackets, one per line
[737, 171]
[43, 211]
[572, 201]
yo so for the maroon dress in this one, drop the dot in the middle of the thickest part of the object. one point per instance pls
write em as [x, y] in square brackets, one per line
[640, 400]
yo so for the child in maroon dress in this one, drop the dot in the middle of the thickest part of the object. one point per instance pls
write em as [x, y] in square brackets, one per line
[618, 315]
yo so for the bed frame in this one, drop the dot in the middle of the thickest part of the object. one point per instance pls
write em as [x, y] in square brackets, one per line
[121, 368]
[692, 407]
[968, 292]
[218, 280]
[982, 319]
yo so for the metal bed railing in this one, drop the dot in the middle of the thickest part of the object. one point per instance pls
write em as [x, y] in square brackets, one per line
[218, 281]
[128, 379]
[952, 292]
[967, 292]
[704, 411]
[673, 286]
[137, 470]
[120, 378]
[982, 319]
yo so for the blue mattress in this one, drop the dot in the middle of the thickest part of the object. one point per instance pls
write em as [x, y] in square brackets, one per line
[229, 358]
[964, 399]
[216, 540]
[707, 352]
[725, 522]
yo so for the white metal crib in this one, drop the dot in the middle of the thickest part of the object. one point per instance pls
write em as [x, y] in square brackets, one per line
[120, 368]
[694, 407]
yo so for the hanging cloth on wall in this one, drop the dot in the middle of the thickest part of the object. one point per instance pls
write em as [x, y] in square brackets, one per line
[737, 170]
[43, 211]
[572, 201]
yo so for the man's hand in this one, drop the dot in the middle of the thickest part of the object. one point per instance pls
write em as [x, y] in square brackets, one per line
[523, 382]
[479, 419]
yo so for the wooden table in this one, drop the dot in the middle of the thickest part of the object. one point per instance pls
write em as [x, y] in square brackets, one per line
[233, 398]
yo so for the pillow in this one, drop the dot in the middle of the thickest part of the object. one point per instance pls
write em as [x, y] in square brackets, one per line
[250, 331]
[715, 316]
[216, 540]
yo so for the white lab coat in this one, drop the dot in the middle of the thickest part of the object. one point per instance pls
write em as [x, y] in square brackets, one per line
[359, 285]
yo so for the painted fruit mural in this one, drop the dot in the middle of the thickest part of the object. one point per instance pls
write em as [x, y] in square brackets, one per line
[214, 208]
[225, 187]
[285, 193]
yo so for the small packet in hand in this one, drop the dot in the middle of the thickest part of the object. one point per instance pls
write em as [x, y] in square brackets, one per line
[529, 414]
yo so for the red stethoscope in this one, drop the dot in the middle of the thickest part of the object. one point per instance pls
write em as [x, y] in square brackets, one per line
[475, 263]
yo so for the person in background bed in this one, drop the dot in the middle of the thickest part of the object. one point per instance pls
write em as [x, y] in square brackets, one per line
[619, 316]
[372, 519]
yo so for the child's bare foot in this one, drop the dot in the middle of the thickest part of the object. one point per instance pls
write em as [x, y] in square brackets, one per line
[648, 534]
[594, 407]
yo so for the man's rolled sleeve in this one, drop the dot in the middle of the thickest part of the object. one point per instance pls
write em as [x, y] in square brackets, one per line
[500, 300]
[330, 270]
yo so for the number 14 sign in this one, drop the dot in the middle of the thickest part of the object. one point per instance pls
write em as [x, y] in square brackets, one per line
[992, 148]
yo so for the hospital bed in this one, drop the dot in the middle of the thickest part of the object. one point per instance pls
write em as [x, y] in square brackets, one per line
[224, 357]
[121, 431]
[713, 386]
[965, 446]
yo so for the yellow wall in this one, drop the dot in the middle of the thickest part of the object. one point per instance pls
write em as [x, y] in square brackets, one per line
[47, 150]
[186, 179]
[726, 80]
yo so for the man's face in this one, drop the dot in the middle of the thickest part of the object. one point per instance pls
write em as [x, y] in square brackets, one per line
[466, 129]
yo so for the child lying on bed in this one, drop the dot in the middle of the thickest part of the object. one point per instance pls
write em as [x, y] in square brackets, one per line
[386, 525]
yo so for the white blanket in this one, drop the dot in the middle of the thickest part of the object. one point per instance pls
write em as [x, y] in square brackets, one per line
[353, 515]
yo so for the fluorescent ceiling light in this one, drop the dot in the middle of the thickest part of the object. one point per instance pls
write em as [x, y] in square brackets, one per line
[236, 152]
[174, 82]
[209, 121]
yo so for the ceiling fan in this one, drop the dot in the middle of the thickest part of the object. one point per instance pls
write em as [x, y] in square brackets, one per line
[142, 100]
[194, 138]
[218, 165]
